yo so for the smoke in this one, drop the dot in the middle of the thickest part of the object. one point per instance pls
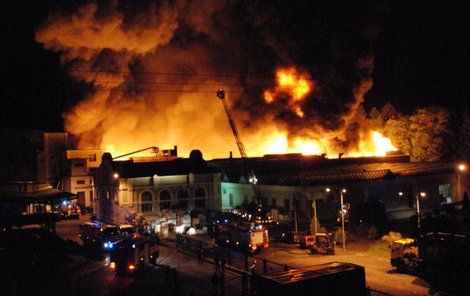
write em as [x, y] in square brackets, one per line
[153, 68]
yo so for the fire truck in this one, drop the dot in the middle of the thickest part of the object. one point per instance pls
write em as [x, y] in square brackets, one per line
[438, 257]
[242, 236]
[133, 255]
[69, 210]
[98, 234]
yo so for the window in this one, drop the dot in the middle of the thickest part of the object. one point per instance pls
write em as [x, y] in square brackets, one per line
[80, 182]
[182, 199]
[287, 205]
[230, 196]
[445, 193]
[146, 202]
[273, 202]
[92, 157]
[165, 199]
[200, 198]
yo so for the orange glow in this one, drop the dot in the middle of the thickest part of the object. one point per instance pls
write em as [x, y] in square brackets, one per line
[124, 110]
[374, 145]
[292, 87]
[131, 266]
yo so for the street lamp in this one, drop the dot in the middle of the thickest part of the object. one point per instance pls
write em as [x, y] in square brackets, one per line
[342, 191]
[342, 218]
[461, 169]
[418, 195]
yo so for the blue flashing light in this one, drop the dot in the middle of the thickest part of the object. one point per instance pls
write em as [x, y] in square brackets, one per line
[64, 202]
[218, 221]
[97, 223]
[225, 220]
[108, 245]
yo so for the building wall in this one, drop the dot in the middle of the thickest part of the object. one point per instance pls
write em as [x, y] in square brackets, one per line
[386, 191]
[118, 198]
[52, 160]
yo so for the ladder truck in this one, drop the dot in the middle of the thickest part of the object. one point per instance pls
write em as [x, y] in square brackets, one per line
[258, 217]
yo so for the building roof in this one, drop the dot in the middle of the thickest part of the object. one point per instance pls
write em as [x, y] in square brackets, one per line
[309, 171]
[179, 166]
[47, 196]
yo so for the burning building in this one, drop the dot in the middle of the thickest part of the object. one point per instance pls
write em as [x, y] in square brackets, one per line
[295, 79]
[290, 184]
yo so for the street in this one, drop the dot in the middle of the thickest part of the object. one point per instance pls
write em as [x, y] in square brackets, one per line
[180, 273]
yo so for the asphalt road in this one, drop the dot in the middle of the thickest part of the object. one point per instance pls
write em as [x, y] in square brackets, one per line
[181, 274]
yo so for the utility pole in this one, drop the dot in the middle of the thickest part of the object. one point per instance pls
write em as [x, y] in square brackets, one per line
[314, 206]
[342, 218]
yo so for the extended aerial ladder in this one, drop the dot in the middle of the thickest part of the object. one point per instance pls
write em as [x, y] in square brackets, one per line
[241, 147]
[153, 148]
[251, 175]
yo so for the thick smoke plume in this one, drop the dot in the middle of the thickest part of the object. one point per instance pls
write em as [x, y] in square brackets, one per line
[153, 68]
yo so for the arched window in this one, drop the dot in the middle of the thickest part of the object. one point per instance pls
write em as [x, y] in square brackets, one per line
[165, 199]
[146, 202]
[200, 198]
[183, 199]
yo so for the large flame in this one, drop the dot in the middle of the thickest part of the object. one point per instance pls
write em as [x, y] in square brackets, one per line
[153, 69]
[292, 87]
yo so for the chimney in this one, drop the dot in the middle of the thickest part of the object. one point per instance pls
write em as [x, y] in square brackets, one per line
[340, 155]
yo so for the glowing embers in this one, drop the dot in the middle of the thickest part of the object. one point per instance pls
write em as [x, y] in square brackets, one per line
[291, 89]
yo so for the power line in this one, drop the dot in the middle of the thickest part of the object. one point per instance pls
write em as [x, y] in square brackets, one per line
[157, 90]
[249, 75]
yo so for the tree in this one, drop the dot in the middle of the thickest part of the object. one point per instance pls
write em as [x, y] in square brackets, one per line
[428, 127]
[398, 130]
[462, 140]
[376, 121]
[420, 135]
[389, 112]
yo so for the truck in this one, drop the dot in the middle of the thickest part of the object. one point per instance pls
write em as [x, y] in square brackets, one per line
[438, 257]
[133, 255]
[332, 279]
[69, 210]
[242, 236]
[320, 243]
[98, 234]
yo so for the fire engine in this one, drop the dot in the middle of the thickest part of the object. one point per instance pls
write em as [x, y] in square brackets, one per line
[98, 234]
[242, 236]
[134, 254]
[70, 210]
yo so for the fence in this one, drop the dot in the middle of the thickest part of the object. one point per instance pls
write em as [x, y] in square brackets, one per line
[237, 261]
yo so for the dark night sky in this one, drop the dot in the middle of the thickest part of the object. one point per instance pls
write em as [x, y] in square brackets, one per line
[421, 58]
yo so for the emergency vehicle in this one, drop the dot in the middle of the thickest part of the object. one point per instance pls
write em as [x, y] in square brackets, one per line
[69, 210]
[133, 254]
[242, 236]
[98, 234]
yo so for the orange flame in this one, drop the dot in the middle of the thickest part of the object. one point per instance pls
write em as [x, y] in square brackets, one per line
[292, 87]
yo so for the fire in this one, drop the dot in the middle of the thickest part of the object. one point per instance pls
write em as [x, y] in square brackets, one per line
[292, 88]
[160, 91]
[373, 144]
